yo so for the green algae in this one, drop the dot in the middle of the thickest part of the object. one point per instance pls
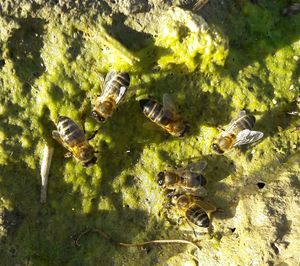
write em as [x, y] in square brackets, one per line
[191, 41]
[52, 67]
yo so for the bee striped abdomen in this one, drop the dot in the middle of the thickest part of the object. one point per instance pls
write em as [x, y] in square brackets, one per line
[155, 111]
[247, 122]
[197, 216]
[70, 133]
[122, 79]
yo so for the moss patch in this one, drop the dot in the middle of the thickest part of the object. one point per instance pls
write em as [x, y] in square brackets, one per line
[51, 64]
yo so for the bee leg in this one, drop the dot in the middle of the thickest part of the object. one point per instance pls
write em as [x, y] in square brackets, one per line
[171, 194]
[210, 229]
[238, 151]
[166, 215]
[83, 118]
[191, 227]
[55, 135]
[170, 205]
[93, 135]
[207, 207]
[68, 155]
[180, 219]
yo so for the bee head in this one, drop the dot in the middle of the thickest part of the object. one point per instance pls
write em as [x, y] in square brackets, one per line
[161, 179]
[90, 162]
[85, 155]
[98, 117]
[216, 148]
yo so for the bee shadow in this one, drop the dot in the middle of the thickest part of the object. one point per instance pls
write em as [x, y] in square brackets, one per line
[219, 168]
[139, 43]
[276, 119]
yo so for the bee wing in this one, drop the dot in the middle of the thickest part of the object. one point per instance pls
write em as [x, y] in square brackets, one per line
[109, 76]
[199, 5]
[197, 167]
[196, 192]
[247, 136]
[108, 79]
[207, 207]
[121, 94]
[101, 78]
[106, 84]
[168, 103]
[233, 123]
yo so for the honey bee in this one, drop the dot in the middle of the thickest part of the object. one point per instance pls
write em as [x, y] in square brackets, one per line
[165, 115]
[186, 179]
[196, 211]
[72, 138]
[238, 133]
[114, 88]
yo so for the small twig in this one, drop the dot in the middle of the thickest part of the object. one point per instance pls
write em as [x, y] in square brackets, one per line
[141, 244]
[45, 167]
[160, 241]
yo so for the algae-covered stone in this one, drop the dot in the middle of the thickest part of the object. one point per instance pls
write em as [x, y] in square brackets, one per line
[52, 55]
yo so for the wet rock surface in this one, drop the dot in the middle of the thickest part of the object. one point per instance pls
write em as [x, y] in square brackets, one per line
[52, 53]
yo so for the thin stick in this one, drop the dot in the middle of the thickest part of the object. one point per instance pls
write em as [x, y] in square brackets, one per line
[162, 241]
[45, 167]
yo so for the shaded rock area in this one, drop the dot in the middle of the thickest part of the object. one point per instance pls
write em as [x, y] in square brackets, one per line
[9, 221]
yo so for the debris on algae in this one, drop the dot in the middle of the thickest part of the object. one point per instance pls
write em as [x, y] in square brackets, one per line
[45, 168]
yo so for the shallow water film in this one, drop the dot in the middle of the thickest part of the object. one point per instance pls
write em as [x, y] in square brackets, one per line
[227, 56]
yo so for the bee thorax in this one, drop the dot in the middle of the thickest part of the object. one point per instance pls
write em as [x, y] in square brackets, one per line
[105, 108]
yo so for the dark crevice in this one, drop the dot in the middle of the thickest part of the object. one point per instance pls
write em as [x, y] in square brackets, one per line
[260, 185]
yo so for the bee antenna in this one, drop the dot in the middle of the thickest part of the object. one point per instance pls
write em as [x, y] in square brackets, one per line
[93, 135]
